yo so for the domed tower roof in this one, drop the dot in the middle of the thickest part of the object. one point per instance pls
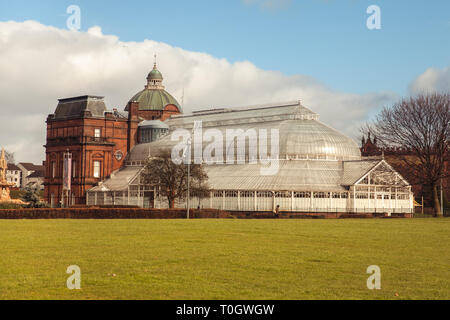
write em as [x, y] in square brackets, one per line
[154, 96]
[155, 74]
[154, 99]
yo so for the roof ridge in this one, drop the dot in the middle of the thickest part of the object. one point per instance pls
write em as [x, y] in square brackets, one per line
[215, 110]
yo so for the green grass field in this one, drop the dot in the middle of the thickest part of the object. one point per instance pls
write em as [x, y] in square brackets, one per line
[225, 259]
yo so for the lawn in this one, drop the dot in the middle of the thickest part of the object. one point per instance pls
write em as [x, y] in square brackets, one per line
[225, 259]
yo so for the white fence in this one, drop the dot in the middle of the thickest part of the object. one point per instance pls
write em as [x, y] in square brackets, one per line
[263, 201]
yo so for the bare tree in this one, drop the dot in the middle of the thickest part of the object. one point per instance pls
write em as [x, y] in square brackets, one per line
[201, 191]
[9, 157]
[172, 178]
[421, 126]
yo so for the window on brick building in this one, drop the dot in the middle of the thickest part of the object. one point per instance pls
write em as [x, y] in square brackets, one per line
[96, 169]
[53, 169]
[74, 169]
[97, 133]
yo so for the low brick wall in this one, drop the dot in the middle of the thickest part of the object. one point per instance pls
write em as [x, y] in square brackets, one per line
[139, 213]
[109, 213]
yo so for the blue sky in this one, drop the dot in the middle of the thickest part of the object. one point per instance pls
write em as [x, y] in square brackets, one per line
[326, 39]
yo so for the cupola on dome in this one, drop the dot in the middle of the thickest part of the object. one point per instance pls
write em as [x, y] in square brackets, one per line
[155, 74]
[154, 96]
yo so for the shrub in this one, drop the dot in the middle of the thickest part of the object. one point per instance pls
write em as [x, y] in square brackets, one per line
[32, 197]
[10, 206]
[39, 204]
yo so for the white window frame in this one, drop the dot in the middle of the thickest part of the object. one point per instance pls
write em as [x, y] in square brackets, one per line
[97, 165]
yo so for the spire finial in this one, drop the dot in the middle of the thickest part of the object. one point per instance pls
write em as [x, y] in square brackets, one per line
[154, 78]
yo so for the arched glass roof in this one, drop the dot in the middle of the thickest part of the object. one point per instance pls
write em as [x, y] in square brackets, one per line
[301, 134]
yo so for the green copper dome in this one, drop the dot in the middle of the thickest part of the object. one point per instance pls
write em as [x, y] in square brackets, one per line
[154, 99]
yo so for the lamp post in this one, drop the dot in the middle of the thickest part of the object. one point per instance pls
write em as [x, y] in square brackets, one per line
[187, 153]
[188, 176]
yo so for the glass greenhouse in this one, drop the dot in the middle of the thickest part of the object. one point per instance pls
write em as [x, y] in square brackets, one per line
[261, 157]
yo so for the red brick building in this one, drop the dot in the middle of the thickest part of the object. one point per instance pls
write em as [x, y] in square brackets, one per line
[97, 138]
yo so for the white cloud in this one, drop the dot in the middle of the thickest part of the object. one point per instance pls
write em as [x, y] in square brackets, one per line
[432, 80]
[39, 64]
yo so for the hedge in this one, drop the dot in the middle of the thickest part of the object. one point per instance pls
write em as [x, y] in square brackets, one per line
[139, 213]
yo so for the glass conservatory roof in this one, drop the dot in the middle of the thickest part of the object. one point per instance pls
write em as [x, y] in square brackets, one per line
[301, 134]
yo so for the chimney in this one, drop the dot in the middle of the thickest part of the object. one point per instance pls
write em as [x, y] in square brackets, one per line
[133, 110]
[133, 121]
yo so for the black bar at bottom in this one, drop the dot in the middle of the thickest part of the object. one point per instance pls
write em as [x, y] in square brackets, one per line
[229, 309]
